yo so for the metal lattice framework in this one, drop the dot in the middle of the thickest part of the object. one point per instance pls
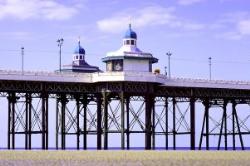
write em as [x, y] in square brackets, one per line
[125, 108]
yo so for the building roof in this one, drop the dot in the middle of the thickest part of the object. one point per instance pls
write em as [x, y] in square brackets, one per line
[129, 51]
[79, 64]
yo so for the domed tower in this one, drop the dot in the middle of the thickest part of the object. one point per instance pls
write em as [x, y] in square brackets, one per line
[129, 57]
[78, 63]
[130, 37]
[79, 55]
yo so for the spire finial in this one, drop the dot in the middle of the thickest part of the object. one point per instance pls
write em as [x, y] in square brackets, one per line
[79, 40]
[130, 20]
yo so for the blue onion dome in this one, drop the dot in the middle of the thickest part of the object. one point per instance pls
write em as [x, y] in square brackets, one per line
[79, 49]
[130, 33]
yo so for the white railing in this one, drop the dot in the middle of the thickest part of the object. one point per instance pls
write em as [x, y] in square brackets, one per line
[42, 73]
[45, 76]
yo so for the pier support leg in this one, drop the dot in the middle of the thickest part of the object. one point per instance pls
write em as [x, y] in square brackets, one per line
[223, 126]
[122, 101]
[105, 119]
[85, 103]
[192, 123]
[205, 125]
[44, 121]
[148, 123]
[225, 121]
[27, 120]
[63, 101]
[99, 123]
[57, 122]
[153, 124]
[47, 122]
[207, 122]
[166, 124]
[238, 125]
[174, 124]
[78, 122]
[60, 120]
[11, 120]
[128, 121]
[233, 123]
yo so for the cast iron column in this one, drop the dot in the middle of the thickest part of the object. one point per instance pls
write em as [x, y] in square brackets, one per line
[233, 123]
[122, 121]
[47, 122]
[207, 122]
[105, 118]
[63, 129]
[57, 122]
[44, 120]
[153, 124]
[99, 122]
[225, 122]
[174, 123]
[166, 125]
[238, 125]
[85, 103]
[127, 130]
[77, 122]
[27, 109]
[148, 123]
[192, 123]
[11, 120]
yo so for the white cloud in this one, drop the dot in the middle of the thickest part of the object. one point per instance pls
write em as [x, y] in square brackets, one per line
[234, 25]
[193, 26]
[189, 2]
[36, 9]
[148, 16]
[244, 27]
[231, 35]
[16, 35]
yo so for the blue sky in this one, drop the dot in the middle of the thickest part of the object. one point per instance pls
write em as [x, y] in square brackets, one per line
[192, 30]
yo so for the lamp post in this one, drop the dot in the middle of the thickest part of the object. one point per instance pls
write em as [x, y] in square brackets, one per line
[60, 43]
[169, 71]
[210, 68]
[22, 55]
[165, 67]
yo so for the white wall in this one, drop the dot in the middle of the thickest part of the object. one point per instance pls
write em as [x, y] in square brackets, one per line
[136, 65]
